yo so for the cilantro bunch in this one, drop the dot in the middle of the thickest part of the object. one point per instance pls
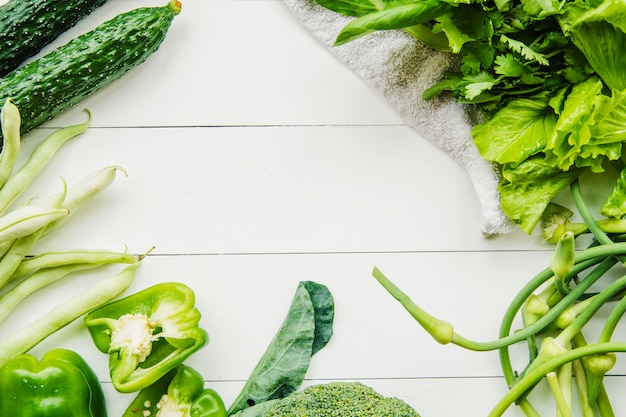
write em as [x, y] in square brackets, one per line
[547, 78]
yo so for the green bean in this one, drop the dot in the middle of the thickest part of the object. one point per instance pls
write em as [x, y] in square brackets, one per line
[75, 256]
[36, 281]
[27, 219]
[14, 254]
[91, 185]
[63, 314]
[40, 157]
[11, 139]
[85, 190]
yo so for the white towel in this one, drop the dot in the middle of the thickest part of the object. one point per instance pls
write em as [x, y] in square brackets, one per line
[400, 68]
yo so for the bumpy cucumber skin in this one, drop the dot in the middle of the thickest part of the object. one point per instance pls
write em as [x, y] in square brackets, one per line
[26, 26]
[45, 87]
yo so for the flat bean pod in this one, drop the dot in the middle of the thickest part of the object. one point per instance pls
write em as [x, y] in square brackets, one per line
[40, 157]
[13, 255]
[26, 220]
[11, 139]
[36, 281]
[85, 190]
[77, 256]
[63, 314]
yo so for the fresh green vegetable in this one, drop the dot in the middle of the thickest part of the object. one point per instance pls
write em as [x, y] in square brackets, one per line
[63, 314]
[345, 399]
[556, 308]
[546, 78]
[29, 25]
[147, 334]
[39, 271]
[22, 228]
[17, 182]
[180, 393]
[86, 190]
[10, 121]
[45, 87]
[26, 220]
[60, 384]
[305, 330]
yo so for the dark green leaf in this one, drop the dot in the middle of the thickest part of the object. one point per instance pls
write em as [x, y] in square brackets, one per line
[282, 368]
[324, 308]
[477, 56]
[306, 329]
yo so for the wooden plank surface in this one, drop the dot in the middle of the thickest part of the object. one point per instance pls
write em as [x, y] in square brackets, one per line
[256, 160]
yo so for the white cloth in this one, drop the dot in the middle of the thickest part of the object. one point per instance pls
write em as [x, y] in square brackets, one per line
[400, 68]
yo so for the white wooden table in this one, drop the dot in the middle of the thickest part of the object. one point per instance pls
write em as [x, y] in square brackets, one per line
[256, 160]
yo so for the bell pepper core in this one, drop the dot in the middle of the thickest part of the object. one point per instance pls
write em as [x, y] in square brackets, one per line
[60, 384]
[180, 393]
[147, 334]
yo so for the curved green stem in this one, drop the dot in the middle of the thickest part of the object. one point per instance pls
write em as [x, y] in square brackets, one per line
[612, 320]
[573, 295]
[563, 407]
[533, 377]
[584, 212]
[444, 333]
[596, 302]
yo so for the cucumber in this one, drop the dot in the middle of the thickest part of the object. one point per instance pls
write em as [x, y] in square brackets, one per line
[26, 26]
[46, 86]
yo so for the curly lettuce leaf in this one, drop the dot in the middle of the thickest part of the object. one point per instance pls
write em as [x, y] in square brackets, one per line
[516, 132]
[571, 132]
[527, 189]
[591, 128]
[600, 33]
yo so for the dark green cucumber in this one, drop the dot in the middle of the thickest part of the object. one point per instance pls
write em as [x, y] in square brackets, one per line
[45, 87]
[26, 26]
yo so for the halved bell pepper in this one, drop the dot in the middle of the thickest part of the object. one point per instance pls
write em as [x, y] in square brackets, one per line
[179, 393]
[60, 384]
[147, 334]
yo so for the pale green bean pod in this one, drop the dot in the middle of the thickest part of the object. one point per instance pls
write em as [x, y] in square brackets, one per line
[11, 139]
[48, 260]
[40, 157]
[85, 190]
[63, 314]
[26, 220]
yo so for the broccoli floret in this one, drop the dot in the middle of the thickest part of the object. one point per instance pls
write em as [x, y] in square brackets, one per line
[339, 399]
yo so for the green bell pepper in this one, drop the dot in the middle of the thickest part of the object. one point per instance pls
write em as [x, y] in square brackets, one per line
[147, 334]
[61, 384]
[180, 393]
